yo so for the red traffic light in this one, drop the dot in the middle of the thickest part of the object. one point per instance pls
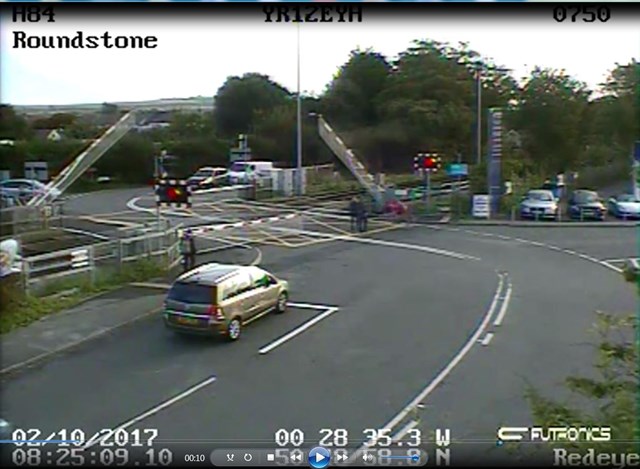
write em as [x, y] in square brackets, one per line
[173, 193]
[430, 162]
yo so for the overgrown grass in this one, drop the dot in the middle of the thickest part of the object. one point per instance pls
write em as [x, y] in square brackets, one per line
[18, 309]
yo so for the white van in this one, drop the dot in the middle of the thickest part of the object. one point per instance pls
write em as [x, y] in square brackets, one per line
[243, 172]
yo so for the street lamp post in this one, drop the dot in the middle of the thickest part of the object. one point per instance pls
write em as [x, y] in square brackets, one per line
[479, 114]
[299, 126]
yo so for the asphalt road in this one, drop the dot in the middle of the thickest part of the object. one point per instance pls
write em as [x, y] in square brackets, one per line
[404, 315]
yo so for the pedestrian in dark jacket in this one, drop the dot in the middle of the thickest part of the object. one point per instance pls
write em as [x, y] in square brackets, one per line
[188, 250]
[354, 207]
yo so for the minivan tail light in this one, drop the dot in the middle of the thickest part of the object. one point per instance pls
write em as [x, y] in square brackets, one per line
[216, 312]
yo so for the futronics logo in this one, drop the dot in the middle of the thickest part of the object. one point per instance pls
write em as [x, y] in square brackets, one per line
[554, 433]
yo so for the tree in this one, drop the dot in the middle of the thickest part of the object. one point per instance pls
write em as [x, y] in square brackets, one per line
[237, 101]
[350, 98]
[275, 136]
[12, 126]
[60, 120]
[550, 115]
[133, 151]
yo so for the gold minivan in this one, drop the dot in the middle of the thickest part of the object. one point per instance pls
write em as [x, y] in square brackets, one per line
[220, 299]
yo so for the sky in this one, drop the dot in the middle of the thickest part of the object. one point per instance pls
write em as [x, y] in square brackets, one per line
[196, 54]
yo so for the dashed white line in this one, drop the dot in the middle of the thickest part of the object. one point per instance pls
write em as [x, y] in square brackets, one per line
[588, 257]
[487, 339]
[503, 308]
[154, 410]
[406, 429]
[297, 331]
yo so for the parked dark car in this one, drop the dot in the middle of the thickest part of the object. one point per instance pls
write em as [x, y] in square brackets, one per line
[586, 205]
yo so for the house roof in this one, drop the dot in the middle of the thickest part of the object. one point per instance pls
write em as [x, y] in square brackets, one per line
[44, 133]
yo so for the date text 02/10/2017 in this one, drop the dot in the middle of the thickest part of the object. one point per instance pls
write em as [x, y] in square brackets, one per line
[313, 13]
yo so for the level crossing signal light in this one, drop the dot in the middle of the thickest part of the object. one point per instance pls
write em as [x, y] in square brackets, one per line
[428, 162]
[173, 193]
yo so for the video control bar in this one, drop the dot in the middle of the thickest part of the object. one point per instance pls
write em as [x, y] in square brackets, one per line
[318, 457]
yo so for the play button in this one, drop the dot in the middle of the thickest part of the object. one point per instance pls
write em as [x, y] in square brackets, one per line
[319, 457]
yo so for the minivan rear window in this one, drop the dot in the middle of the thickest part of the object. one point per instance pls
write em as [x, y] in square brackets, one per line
[192, 293]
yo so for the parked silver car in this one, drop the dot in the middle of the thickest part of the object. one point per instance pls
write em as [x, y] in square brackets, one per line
[539, 204]
[25, 189]
[625, 206]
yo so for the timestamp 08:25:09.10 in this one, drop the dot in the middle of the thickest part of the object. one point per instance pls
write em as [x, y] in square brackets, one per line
[119, 447]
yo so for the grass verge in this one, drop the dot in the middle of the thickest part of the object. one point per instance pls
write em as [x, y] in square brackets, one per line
[18, 309]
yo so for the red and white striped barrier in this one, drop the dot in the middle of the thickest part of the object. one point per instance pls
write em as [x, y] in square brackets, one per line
[241, 224]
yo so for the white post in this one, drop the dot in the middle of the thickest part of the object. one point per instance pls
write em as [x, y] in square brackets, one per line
[299, 126]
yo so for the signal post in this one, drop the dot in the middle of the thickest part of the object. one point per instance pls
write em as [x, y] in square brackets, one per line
[427, 163]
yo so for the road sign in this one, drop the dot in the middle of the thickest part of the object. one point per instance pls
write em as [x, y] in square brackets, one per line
[480, 207]
[173, 193]
[457, 169]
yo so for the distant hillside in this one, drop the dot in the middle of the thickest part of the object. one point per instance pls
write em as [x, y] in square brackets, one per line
[196, 103]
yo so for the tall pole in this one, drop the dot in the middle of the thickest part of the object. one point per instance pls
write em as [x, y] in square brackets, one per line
[299, 127]
[479, 116]
[156, 160]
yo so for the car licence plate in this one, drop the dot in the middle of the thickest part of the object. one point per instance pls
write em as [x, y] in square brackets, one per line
[186, 321]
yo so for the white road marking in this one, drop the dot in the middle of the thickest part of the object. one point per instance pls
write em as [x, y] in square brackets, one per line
[618, 261]
[505, 305]
[443, 374]
[612, 267]
[605, 263]
[406, 429]
[380, 242]
[132, 204]
[588, 257]
[297, 331]
[487, 339]
[310, 306]
[154, 410]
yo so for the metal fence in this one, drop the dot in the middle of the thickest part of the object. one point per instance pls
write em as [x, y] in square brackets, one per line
[88, 261]
[25, 219]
